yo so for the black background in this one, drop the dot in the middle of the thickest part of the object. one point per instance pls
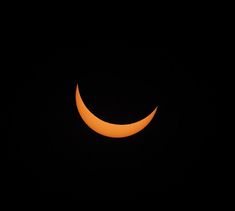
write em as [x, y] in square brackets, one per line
[51, 152]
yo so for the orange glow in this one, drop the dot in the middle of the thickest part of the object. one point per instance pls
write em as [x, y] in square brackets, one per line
[109, 129]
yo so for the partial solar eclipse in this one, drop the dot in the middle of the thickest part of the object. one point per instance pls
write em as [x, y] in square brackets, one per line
[108, 129]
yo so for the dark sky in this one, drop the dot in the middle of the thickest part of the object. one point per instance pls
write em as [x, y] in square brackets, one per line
[52, 152]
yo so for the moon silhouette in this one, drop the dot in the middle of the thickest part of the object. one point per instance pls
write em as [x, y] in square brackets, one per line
[108, 129]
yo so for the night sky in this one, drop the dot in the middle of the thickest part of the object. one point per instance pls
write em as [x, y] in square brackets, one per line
[51, 152]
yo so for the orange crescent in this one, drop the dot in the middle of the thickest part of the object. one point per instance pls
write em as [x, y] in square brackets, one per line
[109, 129]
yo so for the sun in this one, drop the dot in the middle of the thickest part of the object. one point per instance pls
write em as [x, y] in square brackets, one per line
[108, 129]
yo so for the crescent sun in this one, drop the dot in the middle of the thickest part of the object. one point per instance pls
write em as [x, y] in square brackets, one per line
[108, 129]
